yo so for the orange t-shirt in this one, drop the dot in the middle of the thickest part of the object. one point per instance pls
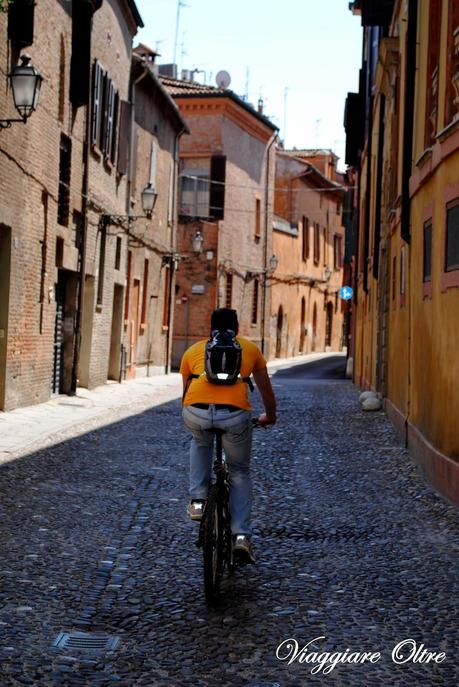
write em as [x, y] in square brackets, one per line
[202, 391]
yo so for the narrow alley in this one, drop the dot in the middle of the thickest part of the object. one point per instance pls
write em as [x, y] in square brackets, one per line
[354, 551]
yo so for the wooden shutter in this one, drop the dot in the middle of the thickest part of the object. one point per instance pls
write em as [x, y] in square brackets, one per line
[114, 136]
[124, 136]
[217, 186]
[97, 92]
[108, 116]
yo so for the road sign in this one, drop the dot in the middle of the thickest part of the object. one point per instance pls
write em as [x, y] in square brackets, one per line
[346, 293]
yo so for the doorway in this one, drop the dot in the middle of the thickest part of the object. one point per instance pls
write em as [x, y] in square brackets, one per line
[314, 327]
[329, 325]
[280, 321]
[115, 339]
[57, 380]
[134, 333]
[5, 267]
[303, 319]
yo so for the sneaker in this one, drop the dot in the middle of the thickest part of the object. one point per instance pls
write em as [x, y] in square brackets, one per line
[196, 509]
[242, 549]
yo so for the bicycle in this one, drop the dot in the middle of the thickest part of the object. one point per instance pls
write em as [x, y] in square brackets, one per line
[215, 527]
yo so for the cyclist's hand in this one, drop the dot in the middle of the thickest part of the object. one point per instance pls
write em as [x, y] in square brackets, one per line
[264, 420]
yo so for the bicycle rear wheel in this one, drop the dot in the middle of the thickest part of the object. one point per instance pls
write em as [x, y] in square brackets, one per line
[213, 546]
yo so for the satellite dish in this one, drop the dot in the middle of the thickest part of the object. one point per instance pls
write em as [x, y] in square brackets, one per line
[223, 79]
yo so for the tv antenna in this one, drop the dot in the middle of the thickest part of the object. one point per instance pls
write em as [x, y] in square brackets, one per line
[223, 79]
[180, 4]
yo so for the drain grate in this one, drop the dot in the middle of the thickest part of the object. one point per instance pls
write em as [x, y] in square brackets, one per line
[86, 641]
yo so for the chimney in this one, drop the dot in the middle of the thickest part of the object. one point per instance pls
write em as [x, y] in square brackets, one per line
[260, 105]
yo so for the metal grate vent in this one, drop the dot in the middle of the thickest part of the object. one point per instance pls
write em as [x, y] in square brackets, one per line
[86, 641]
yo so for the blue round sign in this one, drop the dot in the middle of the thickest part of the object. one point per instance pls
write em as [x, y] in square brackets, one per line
[345, 293]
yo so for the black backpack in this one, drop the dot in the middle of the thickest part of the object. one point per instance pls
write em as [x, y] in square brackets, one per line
[222, 360]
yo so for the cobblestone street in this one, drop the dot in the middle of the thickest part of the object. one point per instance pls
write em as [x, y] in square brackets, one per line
[352, 548]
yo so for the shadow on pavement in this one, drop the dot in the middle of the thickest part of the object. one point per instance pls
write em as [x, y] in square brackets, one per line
[333, 368]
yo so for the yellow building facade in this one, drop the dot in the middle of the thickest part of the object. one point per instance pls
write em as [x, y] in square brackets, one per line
[406, 258]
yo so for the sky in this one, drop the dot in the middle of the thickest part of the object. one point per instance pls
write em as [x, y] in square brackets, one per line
[300, 56]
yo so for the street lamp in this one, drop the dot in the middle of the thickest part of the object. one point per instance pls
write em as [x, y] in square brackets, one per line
[149, 197]
[197, 242]
[273, 262]
[25, 83]
[328, 272]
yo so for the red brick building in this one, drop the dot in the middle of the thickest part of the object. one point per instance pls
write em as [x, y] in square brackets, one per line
[226, 199]
[82, 268]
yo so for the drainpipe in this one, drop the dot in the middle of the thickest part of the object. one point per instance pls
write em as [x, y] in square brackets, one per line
[82, 247]
[131, 139]
[265, 246]
[173, 266]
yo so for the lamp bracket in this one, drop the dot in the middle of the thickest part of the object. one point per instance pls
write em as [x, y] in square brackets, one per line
[6, 123]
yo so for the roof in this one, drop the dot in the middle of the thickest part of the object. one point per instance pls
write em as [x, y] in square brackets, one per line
[135, 13]
[180, 88]
[139, 62]
[311, 152]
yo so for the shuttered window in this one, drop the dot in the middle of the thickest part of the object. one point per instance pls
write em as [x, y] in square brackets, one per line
[97, 97]
[427, 262]
[255, 301]
[20, 22]
[452, 236]
[80, 64]
[305, 237]
[65, 166]
[316, 243]
[217, 186]
[115, 127]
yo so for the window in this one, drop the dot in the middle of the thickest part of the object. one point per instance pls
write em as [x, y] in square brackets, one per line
[65, 165]
[118, 253]
[433, 57]
[81, 52]
[337, 251]
[143, 317]
[229, 291]
[167, 290]
[194, 197]
[402, 271]
[20, 22]
[325, 247]
[394, 277]
[97, 102]
[427, 263]
[217, 188]
[452, 64]
[100, 282]
[105, 113]
[257, 218]
[452, 236]
[255, 301]
[305, 247]
[316, 243]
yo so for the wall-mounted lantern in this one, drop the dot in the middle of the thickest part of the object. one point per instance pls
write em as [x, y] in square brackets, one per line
[273, 262]
[149, 197]
[197, 242]
[25, 83]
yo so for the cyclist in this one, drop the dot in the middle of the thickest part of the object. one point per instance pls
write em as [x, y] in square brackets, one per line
[207, 405]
